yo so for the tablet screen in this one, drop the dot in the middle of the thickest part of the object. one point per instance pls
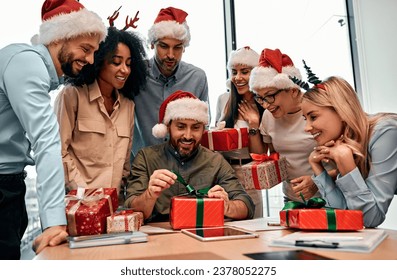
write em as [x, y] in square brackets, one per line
[218, 233]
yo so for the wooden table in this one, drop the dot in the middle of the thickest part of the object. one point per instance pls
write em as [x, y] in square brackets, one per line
[177, 246]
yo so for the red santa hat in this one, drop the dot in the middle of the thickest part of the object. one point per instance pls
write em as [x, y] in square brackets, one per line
[274, 70]
[171, 23]
[180, 105]
[65, 19]
[243, 56]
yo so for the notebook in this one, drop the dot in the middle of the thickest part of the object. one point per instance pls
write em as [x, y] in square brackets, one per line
[258, 224]
[364, 241]
[107, 239]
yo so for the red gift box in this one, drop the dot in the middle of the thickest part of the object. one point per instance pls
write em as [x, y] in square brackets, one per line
[87, 215]
[226, 139]
[192, 212]
[322, 219]
[123, 221]
[264, 172]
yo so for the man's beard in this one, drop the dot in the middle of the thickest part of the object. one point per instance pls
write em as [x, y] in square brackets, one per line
[68, 70]
[163, 66]
[66, 61]
[184, 153]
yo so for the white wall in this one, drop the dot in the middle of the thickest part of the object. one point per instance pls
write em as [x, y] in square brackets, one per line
[376, 27]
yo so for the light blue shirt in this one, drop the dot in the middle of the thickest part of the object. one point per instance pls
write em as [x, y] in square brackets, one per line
[374, 194]
[147, 104]
[28, 123]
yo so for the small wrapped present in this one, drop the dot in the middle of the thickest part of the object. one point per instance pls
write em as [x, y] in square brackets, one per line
[196, 212]
[87, 210]
[310, 216]
[123, 221]
[226, 139]
[264, 172]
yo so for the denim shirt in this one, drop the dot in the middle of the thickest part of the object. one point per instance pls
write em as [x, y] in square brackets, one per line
[28, 124]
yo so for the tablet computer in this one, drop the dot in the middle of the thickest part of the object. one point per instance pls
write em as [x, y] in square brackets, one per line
[218, 233]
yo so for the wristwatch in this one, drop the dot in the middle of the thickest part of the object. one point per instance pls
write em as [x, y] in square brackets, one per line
[253, 131]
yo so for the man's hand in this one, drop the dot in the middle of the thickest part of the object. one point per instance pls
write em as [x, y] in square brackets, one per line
[218, 192]
[160, 180]
[235, 209]
[51, 236]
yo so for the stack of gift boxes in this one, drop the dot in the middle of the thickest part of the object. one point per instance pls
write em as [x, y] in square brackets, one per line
[94, 211]
[264, 172]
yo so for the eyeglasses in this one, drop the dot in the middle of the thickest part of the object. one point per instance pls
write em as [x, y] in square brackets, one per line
[269, 99]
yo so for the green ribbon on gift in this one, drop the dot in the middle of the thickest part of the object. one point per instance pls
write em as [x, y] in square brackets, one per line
[199, 194]
[312, 203]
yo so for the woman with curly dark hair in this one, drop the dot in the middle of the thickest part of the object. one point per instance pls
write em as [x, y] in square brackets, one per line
[96, 113]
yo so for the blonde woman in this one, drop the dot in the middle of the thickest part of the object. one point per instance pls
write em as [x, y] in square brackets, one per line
[363, 148]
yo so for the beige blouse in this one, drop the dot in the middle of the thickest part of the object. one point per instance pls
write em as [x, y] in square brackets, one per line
[96, 147]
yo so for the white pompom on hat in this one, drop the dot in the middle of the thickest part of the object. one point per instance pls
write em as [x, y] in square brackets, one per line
[180, 105]
[274, 70]
[171, 23]
[66, 19]
[243, 56]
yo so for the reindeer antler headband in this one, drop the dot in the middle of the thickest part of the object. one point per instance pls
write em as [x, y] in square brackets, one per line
[311, 77]
[131, 23]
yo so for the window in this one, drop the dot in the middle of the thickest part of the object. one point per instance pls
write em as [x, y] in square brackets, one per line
[313, 30]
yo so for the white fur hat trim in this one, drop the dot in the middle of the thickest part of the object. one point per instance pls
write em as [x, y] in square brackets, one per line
[169, 29]
[70, 25]
[243, 56]
[263, 77]
[183, 108]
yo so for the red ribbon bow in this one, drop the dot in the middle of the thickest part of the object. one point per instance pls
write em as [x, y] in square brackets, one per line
[264, 157]
[259, 158]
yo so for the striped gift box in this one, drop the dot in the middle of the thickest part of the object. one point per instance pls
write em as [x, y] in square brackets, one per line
[322, 219]
[192, 212]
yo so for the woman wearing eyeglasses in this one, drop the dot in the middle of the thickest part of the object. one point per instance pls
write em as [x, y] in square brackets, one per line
[240, 64]
[282, 126]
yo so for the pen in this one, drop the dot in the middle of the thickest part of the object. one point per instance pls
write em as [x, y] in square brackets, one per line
[273, 223]
[316, 244]
[332, 238]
